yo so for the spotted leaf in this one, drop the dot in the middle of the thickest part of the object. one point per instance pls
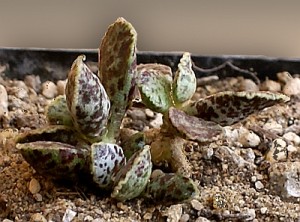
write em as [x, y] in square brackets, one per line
[55, 159]
[171, 187]
[107, 158]
[154, 83]
[117, 71]
[132, 179]
[184, 83]
[227, 108]
[87, 100]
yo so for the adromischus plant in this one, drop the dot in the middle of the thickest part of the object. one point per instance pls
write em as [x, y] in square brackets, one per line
[184, 119]
[83, 136]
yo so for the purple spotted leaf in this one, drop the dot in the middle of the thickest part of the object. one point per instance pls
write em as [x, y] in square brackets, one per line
[106, 159]
[132, 179]
[194, 128]
[227, 108]
[55, 159]
[117, 71]
[87, 100]
[171, 187]
[155, 85]
[184, 83]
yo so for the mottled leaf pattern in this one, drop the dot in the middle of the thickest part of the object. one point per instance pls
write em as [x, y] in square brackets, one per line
[106, 158]
[117, 71]
[155, 85]
[87, 100]
[132, 179]
[55, 159]
[58, 113]
[184, 83]
[227, 108]
[171, 187]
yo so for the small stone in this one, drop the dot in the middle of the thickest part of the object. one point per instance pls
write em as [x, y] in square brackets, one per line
[157, 122]
[38, 197]
[147, 216]
[37, 217]
[61, 86]
[263, 210]
[184, 218]
[273, 126]
[7, 220]
[248, 85]
[88, 218]
[277, 151]
[69, 215]
[149, 113]
[3, 101]
[270, 85]
[33, 82]
[49, 89]
[292, 87]
[173, 213]
[34, 186]
[284, 179]
[253, 179]
[196, 205]
[202, 219]
[251, 214]
[292, 137]
[284, 77]
[98, 220]
[248, 138]
[259, 185]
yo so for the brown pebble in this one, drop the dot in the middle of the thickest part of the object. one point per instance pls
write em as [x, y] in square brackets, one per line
[34, 186]
[37, 217]
[49, 89]
[196, 205]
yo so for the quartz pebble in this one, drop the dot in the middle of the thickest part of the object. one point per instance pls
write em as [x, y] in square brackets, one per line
[34, 186]
[284, 77]
[263, 210]
[157, 122]
[69, 215]
[292, 87]
[173, 213]
[33, 82]
[248, 138]
[49, 89]
[284, 179]
[270, 85]
[248, 85]
[37, 217]
[259, 185]
[273, 126]
[3, 101]
[202, 219]
[196, 205]
[292, 138]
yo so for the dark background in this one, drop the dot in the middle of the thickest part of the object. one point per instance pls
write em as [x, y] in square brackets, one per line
[269, 28]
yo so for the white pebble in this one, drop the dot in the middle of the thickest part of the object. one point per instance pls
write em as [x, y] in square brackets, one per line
[292, 137]
[33, 82]
[34, 186]
[3, 101]
[61, 86]
[49, 90]
[270, 85]
[273, 126]
[248, 85]
[259, 185]
[248, 138]
[157, 122]
[69, 215]
[292, 87]
[284, 76]
[263, 210]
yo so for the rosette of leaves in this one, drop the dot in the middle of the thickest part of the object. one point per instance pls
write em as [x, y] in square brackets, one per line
[82, 138]
[184, 119]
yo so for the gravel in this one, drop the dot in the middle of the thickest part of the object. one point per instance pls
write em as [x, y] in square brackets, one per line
[236, 182]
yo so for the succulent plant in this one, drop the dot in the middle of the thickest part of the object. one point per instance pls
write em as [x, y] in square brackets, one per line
[185, 119]
[82, 140]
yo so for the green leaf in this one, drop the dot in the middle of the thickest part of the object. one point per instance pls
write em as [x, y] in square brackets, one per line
[184, 84]
[154, 83]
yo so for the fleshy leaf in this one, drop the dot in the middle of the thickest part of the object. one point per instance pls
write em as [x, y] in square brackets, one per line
[171, 187]
[106, 159]
[154, 83]
[54, 159]
[184, 83]
[194, 128]
[117, 71]
[227, 108]
[132, 179]
[87, 100]
[58, 113]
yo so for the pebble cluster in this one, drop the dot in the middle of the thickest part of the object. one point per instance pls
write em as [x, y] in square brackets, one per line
[251, 174]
